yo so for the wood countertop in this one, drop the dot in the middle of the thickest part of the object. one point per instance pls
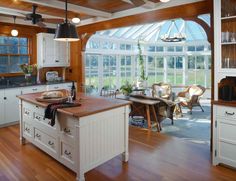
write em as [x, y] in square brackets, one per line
[225, 103]
[89, 104]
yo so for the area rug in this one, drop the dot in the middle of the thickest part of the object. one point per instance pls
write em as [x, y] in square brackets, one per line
[194, 128]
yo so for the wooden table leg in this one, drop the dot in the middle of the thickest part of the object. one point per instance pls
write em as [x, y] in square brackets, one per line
[155, 117]
[148, 117]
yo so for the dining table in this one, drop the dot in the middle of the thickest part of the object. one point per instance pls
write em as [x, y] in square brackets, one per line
[149, 108]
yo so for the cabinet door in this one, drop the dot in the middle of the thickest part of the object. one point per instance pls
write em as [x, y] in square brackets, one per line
[226, 141]
[61, 53]
[48, 49]
[55, 87]
[2, 107]
[11, 105]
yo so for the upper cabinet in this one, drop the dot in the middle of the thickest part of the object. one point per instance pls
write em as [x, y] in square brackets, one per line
[225, 34]
[224, 40]
[51, 53]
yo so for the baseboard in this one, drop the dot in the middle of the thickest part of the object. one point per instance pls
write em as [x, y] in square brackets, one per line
[9, 124]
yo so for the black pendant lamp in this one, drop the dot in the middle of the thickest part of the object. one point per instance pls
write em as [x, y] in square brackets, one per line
[66, 31]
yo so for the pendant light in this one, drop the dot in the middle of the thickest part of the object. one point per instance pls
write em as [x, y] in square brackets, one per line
[66, 31]
[14, 32]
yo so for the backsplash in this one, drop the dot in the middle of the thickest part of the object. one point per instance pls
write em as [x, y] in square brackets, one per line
[16, 80]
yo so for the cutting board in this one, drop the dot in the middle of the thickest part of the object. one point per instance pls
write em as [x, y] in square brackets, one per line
[52, 100]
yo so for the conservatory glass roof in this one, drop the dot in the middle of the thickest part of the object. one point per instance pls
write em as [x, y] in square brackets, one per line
[154, 31]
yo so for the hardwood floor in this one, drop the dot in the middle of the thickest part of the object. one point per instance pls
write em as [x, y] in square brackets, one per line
[153, 157]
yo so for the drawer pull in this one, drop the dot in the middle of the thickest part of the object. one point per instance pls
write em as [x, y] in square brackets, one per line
[49, 122]
[50, 143]
[56, 87]
[67, 153]
[38, 135]
[34, 89]
[27, 112]
[27, 129]
[230, 114]
[37, 117]
[67, 130]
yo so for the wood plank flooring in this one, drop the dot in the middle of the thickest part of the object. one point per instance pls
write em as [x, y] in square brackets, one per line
[153, 157]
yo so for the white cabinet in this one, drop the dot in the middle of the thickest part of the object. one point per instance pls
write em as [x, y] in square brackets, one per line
[33, 89]
[66, 86]
[51, 53]
[224, 135]
[2, 107]
[9, 109]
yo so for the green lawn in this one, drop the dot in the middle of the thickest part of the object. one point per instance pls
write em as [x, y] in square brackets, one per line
[151, 79]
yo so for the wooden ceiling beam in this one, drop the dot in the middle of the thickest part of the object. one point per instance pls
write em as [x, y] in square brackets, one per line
[181, 11]
[20, 13]
[71, 7]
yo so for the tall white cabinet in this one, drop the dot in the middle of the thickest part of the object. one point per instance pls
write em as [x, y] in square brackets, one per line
[51, 53]
[224, 113]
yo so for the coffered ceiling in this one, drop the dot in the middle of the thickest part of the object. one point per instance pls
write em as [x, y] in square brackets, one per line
[88, 11]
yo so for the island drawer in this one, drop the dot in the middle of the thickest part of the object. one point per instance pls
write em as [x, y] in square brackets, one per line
[27, 130]
[48, 143]
[67, 155]
[67, 126]
[27, 114]
[43, 121]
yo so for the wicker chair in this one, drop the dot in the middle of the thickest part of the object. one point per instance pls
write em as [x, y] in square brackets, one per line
[190, 97]
[108, 93]
[162, 90]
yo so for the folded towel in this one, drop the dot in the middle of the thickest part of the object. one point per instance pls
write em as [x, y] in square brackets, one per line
[51, 110]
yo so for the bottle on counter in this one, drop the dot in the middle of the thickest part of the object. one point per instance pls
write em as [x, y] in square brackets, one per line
[73, 91]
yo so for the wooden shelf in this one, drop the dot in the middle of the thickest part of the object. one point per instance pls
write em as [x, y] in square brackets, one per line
[228, 43]
[228, 18]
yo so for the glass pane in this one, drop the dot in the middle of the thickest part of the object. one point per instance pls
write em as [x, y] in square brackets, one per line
[179, 62]
[191, 48]
[200, 78]
[14, 64]
[122, 46]
[23, 50]
[151, 48]
[13, 49]
[179, 49]
[159, 49]
[3, 49]
[13, 40]
[24, 60]
[191, 62]
[3, 64]
[200, 62]
[128, 47]
[160, 63]
[200, 48]
[171, 70]
[24, 41]
[3, 39]
[191, 77]
[128, 60]
[171, 49]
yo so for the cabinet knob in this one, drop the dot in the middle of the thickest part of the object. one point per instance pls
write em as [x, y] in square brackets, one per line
[50, 143]
[57, 61]
[67, 130]
[67, 153]
[5, 98]
[38, 135]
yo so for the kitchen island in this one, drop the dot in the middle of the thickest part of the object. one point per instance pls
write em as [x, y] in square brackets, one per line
[82, 137]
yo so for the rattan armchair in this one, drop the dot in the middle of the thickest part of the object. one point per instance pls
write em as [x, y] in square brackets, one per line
[190, 97]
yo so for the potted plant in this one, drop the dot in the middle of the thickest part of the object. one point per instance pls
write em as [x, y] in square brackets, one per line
[142, 82]
[127, 88]
[28, 70]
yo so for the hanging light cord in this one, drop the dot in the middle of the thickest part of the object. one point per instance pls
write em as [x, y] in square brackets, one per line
[14, 17]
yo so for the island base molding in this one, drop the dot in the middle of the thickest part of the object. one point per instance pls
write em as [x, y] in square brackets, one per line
[80, 144]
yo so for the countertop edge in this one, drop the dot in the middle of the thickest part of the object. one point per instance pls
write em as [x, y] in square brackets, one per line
[62, 110]
[224, 103]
